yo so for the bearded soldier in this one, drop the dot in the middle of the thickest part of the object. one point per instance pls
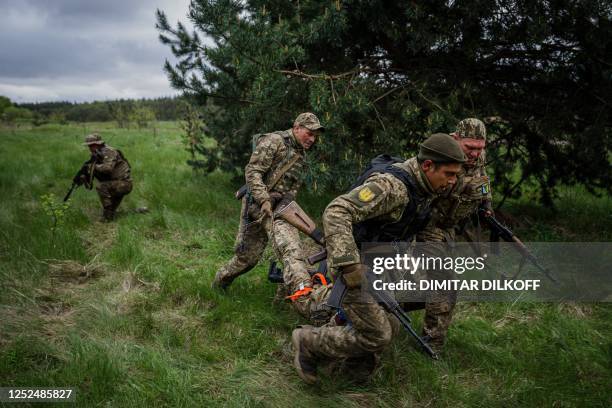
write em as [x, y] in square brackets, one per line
[273, 178]
[112, 170]
[448, 212]
[392, 204]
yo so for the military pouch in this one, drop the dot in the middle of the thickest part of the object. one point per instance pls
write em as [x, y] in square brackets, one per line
[353, 275]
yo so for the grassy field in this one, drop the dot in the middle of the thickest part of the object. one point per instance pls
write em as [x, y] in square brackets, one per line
[124, 311]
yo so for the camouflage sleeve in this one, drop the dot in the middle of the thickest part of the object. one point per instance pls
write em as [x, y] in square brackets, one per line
[109, 159]
[483, 172]
[260, 162]
[381, 195]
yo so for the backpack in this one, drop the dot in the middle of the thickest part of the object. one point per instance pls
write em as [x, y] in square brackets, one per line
[412, 220]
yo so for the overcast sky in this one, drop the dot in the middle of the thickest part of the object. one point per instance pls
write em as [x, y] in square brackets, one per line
[84, 50]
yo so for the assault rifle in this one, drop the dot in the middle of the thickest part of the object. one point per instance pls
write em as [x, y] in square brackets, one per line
[83, 176]
[294, 215]
[499, 230]
[338, 293]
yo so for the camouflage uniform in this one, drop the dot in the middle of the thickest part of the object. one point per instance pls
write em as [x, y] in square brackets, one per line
[448, 212]
[273, 151]
[113, 173]
[387, 206]
[383, 198]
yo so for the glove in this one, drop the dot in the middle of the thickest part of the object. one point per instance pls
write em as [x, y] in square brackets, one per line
[266, 208]
[353, 275]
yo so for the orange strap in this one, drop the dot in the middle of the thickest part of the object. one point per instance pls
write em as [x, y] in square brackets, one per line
[303, 292]
[320, 277]
[298, 294]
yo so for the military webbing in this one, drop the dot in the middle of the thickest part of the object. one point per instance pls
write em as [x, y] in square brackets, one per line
[282, 171]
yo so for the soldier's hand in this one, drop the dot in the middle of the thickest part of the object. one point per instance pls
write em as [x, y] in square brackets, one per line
[266, 208]
[97, 157]
[79, 179]
[275, 196]
[353, 275]
[488, 208]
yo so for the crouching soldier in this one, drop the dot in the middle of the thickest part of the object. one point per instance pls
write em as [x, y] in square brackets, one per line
[112, 171]
[390, 205]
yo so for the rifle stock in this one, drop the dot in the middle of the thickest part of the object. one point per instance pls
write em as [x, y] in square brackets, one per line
[294, 215]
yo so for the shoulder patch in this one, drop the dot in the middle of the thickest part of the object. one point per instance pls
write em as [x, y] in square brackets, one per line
[485, 189]
[364, 194]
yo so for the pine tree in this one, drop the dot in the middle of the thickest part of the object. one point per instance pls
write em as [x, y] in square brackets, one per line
[382, 75]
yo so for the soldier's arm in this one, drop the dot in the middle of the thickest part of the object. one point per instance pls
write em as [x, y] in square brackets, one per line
[109, 159]
[260, 162]
[380, 195]
[488, 199]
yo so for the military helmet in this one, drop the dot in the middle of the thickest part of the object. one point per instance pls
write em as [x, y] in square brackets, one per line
[309, 121]
[93, 139]
[441, 148]
[471, 128]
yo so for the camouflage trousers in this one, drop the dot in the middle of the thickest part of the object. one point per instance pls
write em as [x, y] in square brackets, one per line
[250, 244]
[111, 193]
[370, 331]
[439, 305]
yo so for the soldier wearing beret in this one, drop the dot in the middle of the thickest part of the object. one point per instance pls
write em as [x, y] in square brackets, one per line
[449, 211]
[273, 177]
[391, 205]
[112, 170]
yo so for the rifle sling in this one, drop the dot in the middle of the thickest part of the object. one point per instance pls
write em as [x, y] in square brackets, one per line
[274, 181]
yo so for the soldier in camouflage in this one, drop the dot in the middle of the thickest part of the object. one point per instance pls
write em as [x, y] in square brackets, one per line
[112, 171]
[396, 196]
[449, 211]
[273, 177]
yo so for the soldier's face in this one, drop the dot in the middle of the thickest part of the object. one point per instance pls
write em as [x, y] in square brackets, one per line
[93, 148]
[441, 176]
[305, 137]
[472, 148]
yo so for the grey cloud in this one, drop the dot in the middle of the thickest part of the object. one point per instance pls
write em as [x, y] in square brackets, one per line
[55, 49]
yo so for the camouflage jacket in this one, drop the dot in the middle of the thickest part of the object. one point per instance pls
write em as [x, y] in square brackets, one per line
[382, 197]
[463, 199]
[272, 152]
[111, 165]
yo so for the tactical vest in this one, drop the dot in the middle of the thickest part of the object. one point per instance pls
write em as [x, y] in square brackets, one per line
[414, 217]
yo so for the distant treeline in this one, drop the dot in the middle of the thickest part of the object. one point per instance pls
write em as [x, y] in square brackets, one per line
[167, 108]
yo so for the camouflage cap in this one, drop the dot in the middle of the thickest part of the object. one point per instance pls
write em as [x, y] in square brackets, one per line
[309, 121]
[93, 139]
[441, 148]
[472, 128]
